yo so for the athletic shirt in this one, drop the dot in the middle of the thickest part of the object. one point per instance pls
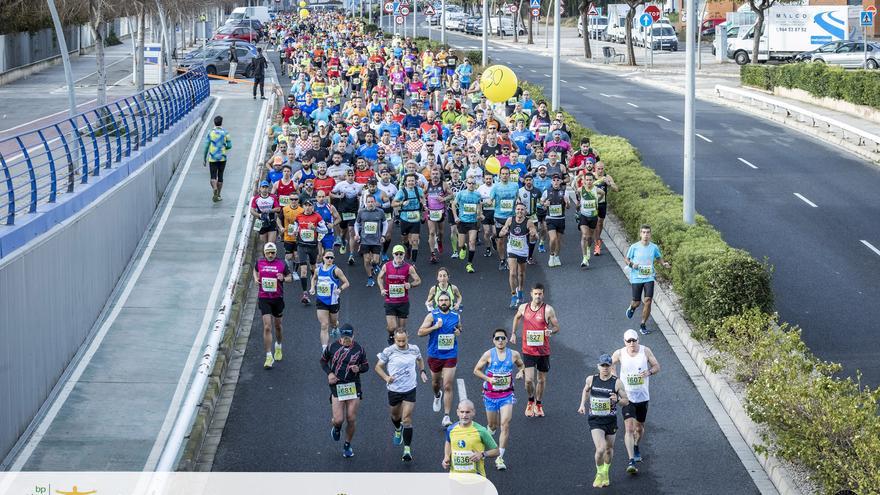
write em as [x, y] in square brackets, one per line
[265, 207]
[601, 184]
[284, 191]
[534, 340]
[589, 202]
[401, 364]
[442, 343]
[505, 199]
[435, 199]
[467, 205]
[412, 206]
[501, 372]
[630, 368]
[530, 198]
[326, 184]
[439, 292]
[464, 442]
[304, 176]
[395, 278]
[270, 286]
[325, 289]
[600, 397]
[309, 227]
[556, 197]
[518, 237]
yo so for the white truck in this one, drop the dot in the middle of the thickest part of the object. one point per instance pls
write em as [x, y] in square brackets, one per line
[791, 29]
[259, 13]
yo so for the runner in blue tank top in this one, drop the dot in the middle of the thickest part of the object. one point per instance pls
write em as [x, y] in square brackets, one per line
[331, 218]
[442, 327]
[328, 282]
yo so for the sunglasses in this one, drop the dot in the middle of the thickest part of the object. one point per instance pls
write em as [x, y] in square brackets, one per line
[630, 341]
[329, 257]
[500, 337]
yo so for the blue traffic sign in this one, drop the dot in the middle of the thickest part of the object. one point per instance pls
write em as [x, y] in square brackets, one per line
[535, 4]
[646, 20]
[867, 18]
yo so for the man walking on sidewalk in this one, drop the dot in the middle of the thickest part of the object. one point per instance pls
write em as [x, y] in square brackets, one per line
[217, 144]
[259, 64]
[233, 63]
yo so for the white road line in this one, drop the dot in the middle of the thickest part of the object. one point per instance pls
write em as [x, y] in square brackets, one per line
[519, 66]
[83, 363]
[533, 70]
[583, 88]
[663, 118]
[627, 74]
[64, 87]
[805, 200]
[462, 391]
[546, 75]
[603, 94]
[564, 81]
[636, 106]
[871, 247]
[704, 138]
[746, 162]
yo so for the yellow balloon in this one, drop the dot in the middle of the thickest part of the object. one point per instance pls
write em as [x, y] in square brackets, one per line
[493, 166]
[498, 83]
[302, 4]
[304, 14]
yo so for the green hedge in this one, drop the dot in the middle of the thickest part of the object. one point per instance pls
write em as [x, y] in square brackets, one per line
[861, 87]
[812, 418]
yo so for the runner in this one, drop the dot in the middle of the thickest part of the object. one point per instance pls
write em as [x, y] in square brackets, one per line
[437, 194]
[503, 194]
[371, 230]
[605, 393]
[442, 326]
[488, 208]
[640, 258]
[554, 199]
[331, 219]
[269, 274]
[397, 366]
[401, 277]
[343, 362]
[307, 228]
[495, 368]
[530, 196]
[264, 206]
[328, 282]
[539, 323]
[217, 145]
[467, 211]
[519, 231]
[588, 197]
[443, 287]
[346, 194]
[411, 201]
[637, 365]
[603, 181]
[468, 443]
[287, 225]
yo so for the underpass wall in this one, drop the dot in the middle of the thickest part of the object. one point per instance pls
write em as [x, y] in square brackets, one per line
[55, 288]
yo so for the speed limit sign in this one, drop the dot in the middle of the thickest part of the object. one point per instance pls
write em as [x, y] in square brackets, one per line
[512, 9]
[398, 19]
[404, 11]
[388, 7]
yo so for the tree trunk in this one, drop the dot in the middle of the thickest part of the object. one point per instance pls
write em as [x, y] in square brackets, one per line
[531, 40]
[759, 30]
[139, 54]
[585, 19]
[630, 52]
[97, 29]
[165, 41]
[701, 16]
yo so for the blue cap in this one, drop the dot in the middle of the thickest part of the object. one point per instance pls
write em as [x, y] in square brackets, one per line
[264, 183]
[346, 330]
[605, 359]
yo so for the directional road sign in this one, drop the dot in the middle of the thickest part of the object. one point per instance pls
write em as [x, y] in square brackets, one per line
[429, 10]
[654, 11]
[646, 20]
[593, 10]
[535, 4]
[867, 18]
[536, 12]
[399, 19]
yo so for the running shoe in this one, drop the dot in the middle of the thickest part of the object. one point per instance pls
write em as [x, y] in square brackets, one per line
[278, 353]
[637, 456]
[530, 261]
[214, 198]
[469, 268]
[606, 478]
[530, 410]
[376, 269]
[551, 262]
[440, 244]
[631, 467]
[644, 329]
[342, 249]
[397, 439]
[597, 251]
[446, 421]
[407, 455]
[597, 483]
[539, 410]
[438, 401]
[502, 265]
[462, 254]
[630, 311]
[337, 242]
[488, 252]
[433, 259]
[585, 262]
[350, 259]
[305, 298]
[346, 451]
[267, 365]
[519, 297]
[335, 433]
[541, 248]
[455, 255]
[371, 282]
[558, 261]
[499, 464]
[513, 300]
[391, 340]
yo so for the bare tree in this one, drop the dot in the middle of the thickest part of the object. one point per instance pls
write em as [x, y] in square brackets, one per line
[585, 22]
[630, 15]
[759, 7]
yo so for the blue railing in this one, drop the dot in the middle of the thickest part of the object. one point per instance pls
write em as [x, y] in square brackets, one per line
[38, 166]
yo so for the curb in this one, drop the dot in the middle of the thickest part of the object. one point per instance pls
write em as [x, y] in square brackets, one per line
[666, 301]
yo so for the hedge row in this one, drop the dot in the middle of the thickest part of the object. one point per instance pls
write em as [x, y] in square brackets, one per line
[812, 418]
[861, 87]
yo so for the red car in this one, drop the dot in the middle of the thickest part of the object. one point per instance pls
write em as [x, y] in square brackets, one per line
[708, 26]
[241, 33]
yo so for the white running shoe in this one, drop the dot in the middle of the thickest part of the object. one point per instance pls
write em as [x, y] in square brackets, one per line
[438, 402]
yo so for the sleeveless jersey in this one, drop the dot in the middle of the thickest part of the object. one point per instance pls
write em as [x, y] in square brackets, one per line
[304, 176]
[600, 398]
[589, 202]
[284, 191]
[501, 373]
[435, 199]
[630, 372]
[518, 238]
[534, 340]
[439, 292]
[325, 289]
[556, 198]
[395, 278]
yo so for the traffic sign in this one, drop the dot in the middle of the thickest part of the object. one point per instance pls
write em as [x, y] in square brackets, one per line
[646, 20]
[404, 10]
[871, 8]
[654, 11]
[867, 18]
[388, 7]
[535, 4]
[512, 9]
[429, 10]
[398, 19]
[536, 12]
[593, 10]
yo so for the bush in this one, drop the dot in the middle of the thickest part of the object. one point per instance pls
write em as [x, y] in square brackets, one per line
[370, 28]
[111, 39]
[474, 56]
[860, 87]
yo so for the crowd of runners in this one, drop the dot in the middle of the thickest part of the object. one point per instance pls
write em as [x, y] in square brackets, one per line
[381, 148]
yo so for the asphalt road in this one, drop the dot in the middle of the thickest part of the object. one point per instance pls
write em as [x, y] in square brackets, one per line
[825, 277]
[279, 419]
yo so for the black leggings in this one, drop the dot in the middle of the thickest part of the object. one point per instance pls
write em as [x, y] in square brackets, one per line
[217, 170]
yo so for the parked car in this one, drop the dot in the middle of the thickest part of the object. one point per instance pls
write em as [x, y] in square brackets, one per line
[850, 55]
[707, 28]
[664, 37]
[829, 47]
[504, 27]
[241, 33]
[247, 23]
[473, 25]
[215, 58]
[455, 21]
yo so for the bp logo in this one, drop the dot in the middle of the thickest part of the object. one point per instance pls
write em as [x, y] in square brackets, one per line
[461, 443]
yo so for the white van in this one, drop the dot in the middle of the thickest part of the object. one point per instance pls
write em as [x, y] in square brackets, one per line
[664, 36]
[259, 13]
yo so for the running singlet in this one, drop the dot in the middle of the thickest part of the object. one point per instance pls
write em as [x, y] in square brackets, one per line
[631, 368]
[556, 197]
[501, 373]
[325, 289]
[270, 286]
[284, 191]
[327, 216]
[305, 175]
[589, 202]
[464, 442]
[396, 278]
[534, 339]
[442, 343]
[600, 398]
[436, 206]
[439, 292]
[518, 238]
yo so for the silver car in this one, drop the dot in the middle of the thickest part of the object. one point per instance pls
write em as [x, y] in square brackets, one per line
[850, 55]
[215, 58]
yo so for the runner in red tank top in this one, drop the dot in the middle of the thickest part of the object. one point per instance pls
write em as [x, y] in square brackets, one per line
[395, 280]
[539, 323]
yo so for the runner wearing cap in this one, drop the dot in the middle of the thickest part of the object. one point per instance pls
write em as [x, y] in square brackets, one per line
[343, 361]
[398, 364]
[269, 274]
[370, 231]
[395, 280]
[637, 364]
[640, 258]
[264, 206]
[604, 391]
[328, 282]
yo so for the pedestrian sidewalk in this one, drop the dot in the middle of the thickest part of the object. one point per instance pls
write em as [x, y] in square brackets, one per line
[117, 409]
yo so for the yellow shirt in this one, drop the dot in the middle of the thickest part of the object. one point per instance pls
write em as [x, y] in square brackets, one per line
[289, 214]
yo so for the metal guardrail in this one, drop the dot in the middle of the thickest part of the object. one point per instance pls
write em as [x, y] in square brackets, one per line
[37, 166]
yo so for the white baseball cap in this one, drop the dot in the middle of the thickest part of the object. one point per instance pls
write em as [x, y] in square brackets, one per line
[270, 246]
[630, 334]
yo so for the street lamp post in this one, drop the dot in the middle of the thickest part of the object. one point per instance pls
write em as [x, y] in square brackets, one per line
[689, 113]
[485, 33]
[557, 20]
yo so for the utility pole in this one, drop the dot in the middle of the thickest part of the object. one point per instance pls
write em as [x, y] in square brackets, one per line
[557, 20]
[443, 25]
[689, 113]
[485, 32]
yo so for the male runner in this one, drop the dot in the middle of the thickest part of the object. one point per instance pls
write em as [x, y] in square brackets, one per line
[640, 258]
[539, 323]
[343, 362]
[442, 326]
[605, 392]
[520, 231]
[395, 279]
[269, 275]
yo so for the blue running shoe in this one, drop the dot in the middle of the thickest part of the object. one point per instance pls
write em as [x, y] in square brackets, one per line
[644, 329]
[637, 456]
[519, 297]
[630, 311]
[335, 433]
[346, 450]
[513, 301]
[398, 436]
[631, 467]
[541, 248]
[371, 282]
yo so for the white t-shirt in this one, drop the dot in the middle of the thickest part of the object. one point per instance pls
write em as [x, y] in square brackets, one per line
[401, 364]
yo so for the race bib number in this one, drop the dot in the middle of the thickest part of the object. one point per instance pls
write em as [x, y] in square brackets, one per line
[516, 243]
[291, 229]
[446, 341]
[355, 80]
[396, 291]
[544, 129]
[258, 225]
[646, 270]
[284, 200]
[600, 406]
[307, 235]
[269, 284]
[511, 101]
[346, 391]
[506, 206]
[469, 208]
[348, 216]
[323, 289]
[435, 81]
[461, 461]
[387, 216]
[371, 228]
[501, 382]
[398, 87]
[435, 215]
[588, 207]
[410, 216]
[556, 210]
[635, 381]
[534, 338]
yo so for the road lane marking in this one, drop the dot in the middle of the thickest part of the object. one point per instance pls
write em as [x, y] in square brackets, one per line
[632, 105]
[533, 70]
[747, 162]
[6, 131]
[627, 74]
[519, 66]
[704, 138]
[871, 247]
[663, 118]
[583, 88]
[462, 391]
[603, 94]
[564, 81]
[546, 75]
[805, 200]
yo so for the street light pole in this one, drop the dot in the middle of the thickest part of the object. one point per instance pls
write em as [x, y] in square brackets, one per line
[65, 59]
[689, 113]
[443, 22]
[485, 33]
[557, 20]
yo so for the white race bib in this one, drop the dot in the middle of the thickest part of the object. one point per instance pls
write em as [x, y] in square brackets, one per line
[307, 235]
[269, 284]
[435, 215]
[635, 381]
[371, 227]
[556, 210]
[535, 338]
[501, 381]
[505, 206]
[646, 270]
[461, 461]
[291, 229]
[323, 289]
[516, 242]
[469, 208]
[355, 80]
[347, 216]
[284, 200]
[346, 391]
[600, 406]
[258, 225]
[396, 291]
[410, 216]
[446, 341]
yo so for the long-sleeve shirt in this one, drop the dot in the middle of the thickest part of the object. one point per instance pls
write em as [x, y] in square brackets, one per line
[337, 359]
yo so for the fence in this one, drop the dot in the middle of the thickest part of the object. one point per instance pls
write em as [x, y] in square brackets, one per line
[39, 166]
